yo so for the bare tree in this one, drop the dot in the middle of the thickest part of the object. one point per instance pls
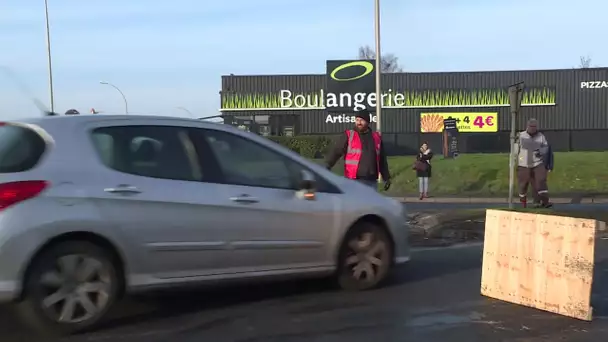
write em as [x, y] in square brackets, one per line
[389, 62]
[585, 62]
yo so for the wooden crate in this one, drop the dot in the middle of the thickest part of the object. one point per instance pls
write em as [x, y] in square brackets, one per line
[541, 261]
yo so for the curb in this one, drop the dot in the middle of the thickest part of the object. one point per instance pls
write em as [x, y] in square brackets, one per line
[497, 200]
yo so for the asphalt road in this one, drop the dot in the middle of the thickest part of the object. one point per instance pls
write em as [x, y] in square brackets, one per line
[415, 206]
[435, 298]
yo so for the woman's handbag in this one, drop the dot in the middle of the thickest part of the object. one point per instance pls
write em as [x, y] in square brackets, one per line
[420, 166]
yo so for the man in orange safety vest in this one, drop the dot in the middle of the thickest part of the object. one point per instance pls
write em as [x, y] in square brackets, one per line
[363, 152]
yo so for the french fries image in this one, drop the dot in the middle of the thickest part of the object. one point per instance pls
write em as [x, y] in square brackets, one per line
[431, 123]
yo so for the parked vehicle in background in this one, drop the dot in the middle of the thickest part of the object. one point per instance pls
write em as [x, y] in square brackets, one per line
[92, 207]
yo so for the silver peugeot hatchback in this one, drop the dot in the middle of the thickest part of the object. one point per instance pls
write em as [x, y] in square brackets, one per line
[92, 207]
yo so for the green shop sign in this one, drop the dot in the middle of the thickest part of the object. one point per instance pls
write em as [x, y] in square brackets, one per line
[290, 100]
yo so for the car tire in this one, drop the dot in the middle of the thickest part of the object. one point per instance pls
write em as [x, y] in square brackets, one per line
[69, 288]
[365, 257]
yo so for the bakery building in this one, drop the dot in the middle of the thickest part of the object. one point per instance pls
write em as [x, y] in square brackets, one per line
[571, 105]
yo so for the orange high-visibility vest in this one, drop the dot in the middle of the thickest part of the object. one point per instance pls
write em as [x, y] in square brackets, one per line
[353, 153]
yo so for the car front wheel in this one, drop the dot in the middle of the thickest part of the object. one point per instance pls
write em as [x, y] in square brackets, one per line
[365, 257]
[69, 288]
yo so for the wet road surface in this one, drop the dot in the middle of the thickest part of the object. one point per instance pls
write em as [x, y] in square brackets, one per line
[416, 206]
[435, 298]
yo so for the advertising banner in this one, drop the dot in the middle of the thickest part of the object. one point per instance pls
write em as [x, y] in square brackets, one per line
[466, 122]
[450, 138]
[351, 86]
[342, 97]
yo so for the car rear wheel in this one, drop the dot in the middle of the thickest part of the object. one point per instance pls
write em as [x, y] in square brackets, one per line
[365, 257]
[70, 287]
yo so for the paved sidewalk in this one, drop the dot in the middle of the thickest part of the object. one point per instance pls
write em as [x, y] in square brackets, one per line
[500, 200]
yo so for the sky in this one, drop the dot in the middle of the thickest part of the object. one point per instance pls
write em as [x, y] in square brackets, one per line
[169, 54]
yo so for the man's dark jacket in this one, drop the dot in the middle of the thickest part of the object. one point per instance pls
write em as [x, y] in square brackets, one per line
[367, 164]
[548, 158]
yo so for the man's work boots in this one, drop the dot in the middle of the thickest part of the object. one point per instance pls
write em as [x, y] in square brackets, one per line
[524, 201]
[539, 202]
[543, 202]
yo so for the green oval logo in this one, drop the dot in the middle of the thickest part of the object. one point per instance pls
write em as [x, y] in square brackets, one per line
[369, 67]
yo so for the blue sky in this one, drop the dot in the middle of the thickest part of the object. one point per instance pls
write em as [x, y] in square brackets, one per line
[166, 54]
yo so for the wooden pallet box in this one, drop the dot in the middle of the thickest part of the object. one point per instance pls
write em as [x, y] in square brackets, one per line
[540, 261]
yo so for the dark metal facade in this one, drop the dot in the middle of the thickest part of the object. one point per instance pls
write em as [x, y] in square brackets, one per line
[574, 108]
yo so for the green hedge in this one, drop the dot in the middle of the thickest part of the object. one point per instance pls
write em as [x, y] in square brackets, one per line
[309, 146]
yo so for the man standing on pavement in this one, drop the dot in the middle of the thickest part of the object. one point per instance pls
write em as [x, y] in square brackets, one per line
[363, 151]
[533, 164]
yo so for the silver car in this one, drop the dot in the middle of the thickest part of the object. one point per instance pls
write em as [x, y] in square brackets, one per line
[96, 206]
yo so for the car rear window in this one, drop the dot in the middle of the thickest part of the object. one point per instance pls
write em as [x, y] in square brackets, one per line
[20, 148]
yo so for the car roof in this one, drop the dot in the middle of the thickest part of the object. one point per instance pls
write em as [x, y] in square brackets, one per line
[97, 117]
[71, 120]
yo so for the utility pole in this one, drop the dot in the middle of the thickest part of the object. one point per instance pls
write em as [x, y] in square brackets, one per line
[378, 67]
[48, 54]
[515, 97]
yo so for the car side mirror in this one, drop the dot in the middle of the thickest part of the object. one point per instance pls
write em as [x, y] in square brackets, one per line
[306, 188]
[307, 180]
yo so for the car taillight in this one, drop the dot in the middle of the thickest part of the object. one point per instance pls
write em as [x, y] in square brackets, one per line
[15, 192]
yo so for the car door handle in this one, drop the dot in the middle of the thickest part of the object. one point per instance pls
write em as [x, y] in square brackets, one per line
[123, 189]
[245, 199]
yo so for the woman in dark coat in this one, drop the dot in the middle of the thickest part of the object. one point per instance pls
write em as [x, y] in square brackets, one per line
[423, 172]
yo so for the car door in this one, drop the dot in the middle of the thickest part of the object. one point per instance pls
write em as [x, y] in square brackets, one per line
[150, 183]
[270, 227]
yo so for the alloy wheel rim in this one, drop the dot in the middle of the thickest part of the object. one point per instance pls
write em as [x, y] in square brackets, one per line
[366, 257]
[75, 289]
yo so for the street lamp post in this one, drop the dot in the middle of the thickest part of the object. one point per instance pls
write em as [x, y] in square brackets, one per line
[186, 110]
[121, 93]
[378, 67]
[48, 54]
